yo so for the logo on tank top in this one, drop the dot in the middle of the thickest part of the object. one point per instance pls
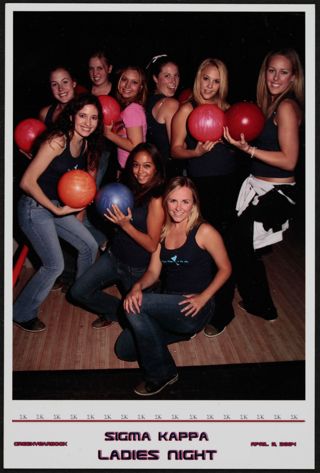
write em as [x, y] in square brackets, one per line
[175, 260]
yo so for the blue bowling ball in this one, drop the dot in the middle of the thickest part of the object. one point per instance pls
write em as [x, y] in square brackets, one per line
[114, 193]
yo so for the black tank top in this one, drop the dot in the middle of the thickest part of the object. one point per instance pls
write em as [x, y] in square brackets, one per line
[268, 140]
[48, 180]
[188, 269]
[125, 248]
[48, 121]
[220, 161]
[157, 132]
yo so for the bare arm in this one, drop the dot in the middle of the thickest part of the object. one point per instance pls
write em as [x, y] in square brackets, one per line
[149, 241]
[48, 151]
[166, 113]
[134, 137]
[288, 120]
[179, 133]
[43, 113]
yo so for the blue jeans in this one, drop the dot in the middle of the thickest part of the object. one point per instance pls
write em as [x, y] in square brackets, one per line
[107, 270]
[159, 323]
[43, 230]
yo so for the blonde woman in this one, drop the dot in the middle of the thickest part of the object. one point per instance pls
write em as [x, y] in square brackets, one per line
[212, 167]
[267, 197]
[184, 261]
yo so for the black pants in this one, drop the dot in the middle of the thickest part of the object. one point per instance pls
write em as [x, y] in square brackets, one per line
[272, 211]
[218, 196]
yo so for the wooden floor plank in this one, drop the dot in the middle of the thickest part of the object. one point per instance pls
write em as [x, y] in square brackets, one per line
[70, 342]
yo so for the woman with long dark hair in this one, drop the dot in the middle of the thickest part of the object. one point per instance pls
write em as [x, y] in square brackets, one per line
[136, 237]
[73, 143]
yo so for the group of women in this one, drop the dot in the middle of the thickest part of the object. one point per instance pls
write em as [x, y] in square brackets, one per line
[189, 239]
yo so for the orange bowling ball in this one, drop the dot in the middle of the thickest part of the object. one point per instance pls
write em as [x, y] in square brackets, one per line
[77, 188]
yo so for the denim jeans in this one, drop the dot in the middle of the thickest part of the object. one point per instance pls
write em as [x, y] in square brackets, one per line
[107, 270]
[159, 323]
[43, 230]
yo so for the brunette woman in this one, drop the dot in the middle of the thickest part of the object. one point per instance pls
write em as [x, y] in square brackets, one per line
[136, 238]
[72, 144]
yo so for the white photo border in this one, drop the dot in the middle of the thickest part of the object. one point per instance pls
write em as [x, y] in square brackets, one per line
[85, 439]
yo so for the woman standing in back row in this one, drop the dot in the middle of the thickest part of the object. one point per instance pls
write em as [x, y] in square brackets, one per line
[267, 198]
[131, 94]
[212, 167]
[164, 78]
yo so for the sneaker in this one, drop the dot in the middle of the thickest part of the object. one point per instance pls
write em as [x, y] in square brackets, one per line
[269, 314]
[33, 325]
[100, 323]
[211, 331]
[149, 389]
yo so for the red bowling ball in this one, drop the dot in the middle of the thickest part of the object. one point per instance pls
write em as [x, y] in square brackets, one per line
[76, 188]
[246, 118]
[185, 95]
[110, 109]
[26, 132]
[206, 122]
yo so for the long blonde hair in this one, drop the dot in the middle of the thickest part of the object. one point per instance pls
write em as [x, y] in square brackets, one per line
[195, 217]
[221, 98]
[295, 89]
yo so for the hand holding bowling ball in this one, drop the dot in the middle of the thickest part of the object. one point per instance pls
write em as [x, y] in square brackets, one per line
[77, 188]
[246, 118]
[114, 194]
[26, 133]
[206, 122]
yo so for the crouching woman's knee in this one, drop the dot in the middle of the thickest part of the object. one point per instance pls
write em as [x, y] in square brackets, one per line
[125, 347]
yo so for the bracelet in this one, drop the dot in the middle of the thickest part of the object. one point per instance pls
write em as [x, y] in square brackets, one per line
[253, 150]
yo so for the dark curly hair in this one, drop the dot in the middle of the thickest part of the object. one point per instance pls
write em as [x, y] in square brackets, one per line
[143, 194]
[64, 125]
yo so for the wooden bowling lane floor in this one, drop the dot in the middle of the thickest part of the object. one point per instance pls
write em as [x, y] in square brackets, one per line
[70, 343]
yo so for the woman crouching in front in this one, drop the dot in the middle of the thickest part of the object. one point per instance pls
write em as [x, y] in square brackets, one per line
[193, 264]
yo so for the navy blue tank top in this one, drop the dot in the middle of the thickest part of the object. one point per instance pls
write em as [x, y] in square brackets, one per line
[125, 248]
[48, 121]
[63, 163]
[157, 132]
[188, 269]
[220, 161]
[268, 140]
